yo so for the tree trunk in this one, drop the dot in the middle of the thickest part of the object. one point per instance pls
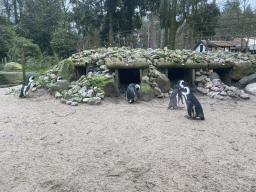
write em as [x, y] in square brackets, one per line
[15, 11]
[152, 31]
[173, 25]
[166, 24]
[110, 33]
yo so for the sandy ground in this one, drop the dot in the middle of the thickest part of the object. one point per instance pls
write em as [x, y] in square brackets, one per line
[117, 147]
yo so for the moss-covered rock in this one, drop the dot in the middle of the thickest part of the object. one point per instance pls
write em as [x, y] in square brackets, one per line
[12, 66]
[164, 83]
[146, 92]
[59, 86]
[66, 69]
[241, 70]
[107, 84]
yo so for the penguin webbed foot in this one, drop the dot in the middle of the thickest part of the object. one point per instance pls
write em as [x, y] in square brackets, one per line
[188, 117]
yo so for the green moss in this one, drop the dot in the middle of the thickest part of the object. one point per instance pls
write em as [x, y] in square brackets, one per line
[242, 70]
[108, 85]
[67, 68]
[146, 92]
[101, 81]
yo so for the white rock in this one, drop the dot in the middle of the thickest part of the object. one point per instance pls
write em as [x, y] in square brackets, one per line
[212, 94]
[216, 82]
[251, 88]
[202, 90]
[215, 89]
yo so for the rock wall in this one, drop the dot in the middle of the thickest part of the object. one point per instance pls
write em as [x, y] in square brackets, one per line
[101, 81]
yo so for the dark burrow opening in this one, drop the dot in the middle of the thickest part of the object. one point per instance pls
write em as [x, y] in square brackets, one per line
[176, 74]
[127, 76]
[225, 75]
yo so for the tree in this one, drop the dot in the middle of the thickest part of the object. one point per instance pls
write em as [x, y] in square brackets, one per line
[204, 19]
[40, 19]
[21, 44]
[6, 36]
[63, 42]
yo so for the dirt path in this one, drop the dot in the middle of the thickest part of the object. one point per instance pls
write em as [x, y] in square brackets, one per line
[116, 147]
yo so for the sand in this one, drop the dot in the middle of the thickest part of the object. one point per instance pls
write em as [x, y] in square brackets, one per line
[117, 146]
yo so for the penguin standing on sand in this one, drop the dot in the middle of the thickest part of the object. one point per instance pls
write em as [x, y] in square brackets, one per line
[132, 92]
[27, 88]
[194, 107]
[177, 98]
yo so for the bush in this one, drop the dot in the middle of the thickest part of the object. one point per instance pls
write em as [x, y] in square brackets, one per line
[21, 45]
[44, 62]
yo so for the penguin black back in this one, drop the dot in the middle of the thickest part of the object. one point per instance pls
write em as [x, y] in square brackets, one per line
[132, 92]
[194, 107]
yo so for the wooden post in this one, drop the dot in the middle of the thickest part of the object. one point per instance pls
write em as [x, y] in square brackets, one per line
[5, 60]
[141, 74]
[23, 67]
[193, 77]
[2, 60]
[117, 77]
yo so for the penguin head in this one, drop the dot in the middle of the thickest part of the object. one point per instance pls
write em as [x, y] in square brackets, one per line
[185, 91]
[59, 78]
[31, 78]
[137, 87]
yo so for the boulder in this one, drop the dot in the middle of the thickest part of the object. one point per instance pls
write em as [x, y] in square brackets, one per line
[202, 90]
[145, 79]
[90, 93]
[107, 84]
[100, 95]
[12, 66]
[66, 69]
[208, 85]
[146, 92]
[216, 82]
[94, 101]
[200, 78]
[241, 70]
[214, 75]
[59, 86]
[58, 95]
[164, 83]
[157, 91]
[244, 95]
[251, 88]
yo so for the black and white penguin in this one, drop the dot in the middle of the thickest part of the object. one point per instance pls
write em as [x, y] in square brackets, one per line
[132, 92]
[59, 79]
[176, 98]
[194, 107]
[27, 88]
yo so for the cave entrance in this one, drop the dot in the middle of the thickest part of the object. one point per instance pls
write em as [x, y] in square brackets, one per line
[225, 75]
[79, 71]
[127, 76]
[176, 74]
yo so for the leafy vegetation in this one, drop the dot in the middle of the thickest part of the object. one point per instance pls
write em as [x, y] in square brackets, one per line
[49, 30]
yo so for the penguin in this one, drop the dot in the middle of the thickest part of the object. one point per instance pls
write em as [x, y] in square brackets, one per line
[177, 98]
[132, 92]
[59, 79]
[27, 87]
[194, 107]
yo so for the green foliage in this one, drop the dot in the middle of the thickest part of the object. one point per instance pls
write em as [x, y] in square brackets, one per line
[6, 36]
[40, 19]
[42, 63]
[21, 45]
[63, 42]
[204, 19]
